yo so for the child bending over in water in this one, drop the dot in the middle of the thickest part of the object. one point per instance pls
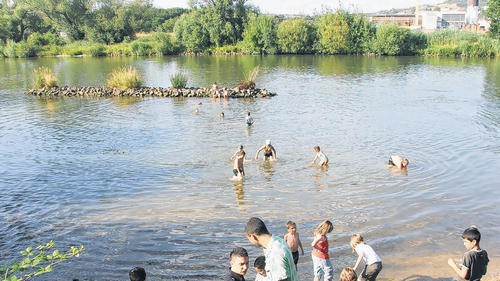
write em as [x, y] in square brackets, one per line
[320, 257]
[293, 241]
[321, 156]
[373, 263]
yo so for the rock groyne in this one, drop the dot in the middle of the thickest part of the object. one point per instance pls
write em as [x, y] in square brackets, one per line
[147, 92]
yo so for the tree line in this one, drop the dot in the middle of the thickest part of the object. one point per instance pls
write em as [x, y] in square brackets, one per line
[214, 26]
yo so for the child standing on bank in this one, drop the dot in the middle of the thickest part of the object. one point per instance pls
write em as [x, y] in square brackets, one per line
[373, 263]
[320, 257]
[475, 260]
[293, 241]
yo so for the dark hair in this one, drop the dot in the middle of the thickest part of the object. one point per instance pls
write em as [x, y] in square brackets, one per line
[260, 262]
[317, 147]
[238, 251]
[471, 234]
[241, 146]
[256, 226]
[290, 223]
[137, 274]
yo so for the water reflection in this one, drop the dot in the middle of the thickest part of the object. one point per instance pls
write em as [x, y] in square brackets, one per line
[240, 194]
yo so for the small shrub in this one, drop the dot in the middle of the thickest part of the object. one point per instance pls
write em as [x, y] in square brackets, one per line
[164, 45]
[10, 49]
[26, 50]
[2, 46]
[48, 38]
[178, 81]
[141, 48]
[96, 51]
[122, 49]
[44, 78]
[124, 78]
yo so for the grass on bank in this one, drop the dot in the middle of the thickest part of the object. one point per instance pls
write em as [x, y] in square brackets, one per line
[44, 78]
[124, 78]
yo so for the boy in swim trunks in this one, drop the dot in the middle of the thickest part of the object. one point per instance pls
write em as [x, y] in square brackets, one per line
[269, 151]
[249, 120]
[239, 158]
[293, 241]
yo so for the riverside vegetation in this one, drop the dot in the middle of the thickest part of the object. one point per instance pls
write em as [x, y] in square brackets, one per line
[33, 28]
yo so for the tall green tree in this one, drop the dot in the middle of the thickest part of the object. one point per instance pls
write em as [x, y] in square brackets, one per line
[191, 32]
[69, 16]
[260, 35]
[333, 34]
[19, 20]
[493, 13]
[296, 36]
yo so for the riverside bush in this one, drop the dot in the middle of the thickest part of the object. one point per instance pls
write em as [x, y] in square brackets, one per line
[124, 78]
[48, 38]
[25, 49]
[141, 48]
[164, 44]
[96, 51]
[44, 77]
[394, 40]
[178, 81]
[10, 49]
[333, 34]
[296, 36]
[260, 36]
[461, 43]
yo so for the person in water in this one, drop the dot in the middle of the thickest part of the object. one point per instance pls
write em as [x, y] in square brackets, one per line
[321, 156]
[221, 115]
[249, 120]
[269, 151]
[215, 90]
[398, 161]
[239, 158]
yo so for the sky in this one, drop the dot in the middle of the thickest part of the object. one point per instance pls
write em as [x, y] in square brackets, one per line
[311, 6]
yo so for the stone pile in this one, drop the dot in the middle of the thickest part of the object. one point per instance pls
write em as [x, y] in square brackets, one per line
[147, 92]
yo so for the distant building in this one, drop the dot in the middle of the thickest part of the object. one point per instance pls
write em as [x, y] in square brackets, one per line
[453, 19]
[472, 14]
[400, 19]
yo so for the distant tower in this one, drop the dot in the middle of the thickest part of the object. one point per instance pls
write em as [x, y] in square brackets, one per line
[417, 9]
[472, 15]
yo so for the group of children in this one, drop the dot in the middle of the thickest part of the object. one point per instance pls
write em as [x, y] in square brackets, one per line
[279, 262]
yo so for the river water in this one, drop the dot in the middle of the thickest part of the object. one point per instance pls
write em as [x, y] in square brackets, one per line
[145, 182]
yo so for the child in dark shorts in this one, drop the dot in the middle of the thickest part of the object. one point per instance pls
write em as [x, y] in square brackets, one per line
[293, 241]
[475, 260]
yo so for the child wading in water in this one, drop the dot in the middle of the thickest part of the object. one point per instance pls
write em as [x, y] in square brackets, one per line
[373, 263]
[293, 241]
[320, 257]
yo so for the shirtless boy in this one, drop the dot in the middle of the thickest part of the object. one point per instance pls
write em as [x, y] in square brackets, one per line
[293, 241]
[269, 151]
[239, 158]
[321, 156]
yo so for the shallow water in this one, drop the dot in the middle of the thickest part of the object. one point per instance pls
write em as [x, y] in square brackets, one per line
[145, 182]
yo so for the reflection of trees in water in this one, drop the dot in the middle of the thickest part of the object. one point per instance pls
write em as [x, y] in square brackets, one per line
[490, 110]
[125, 101]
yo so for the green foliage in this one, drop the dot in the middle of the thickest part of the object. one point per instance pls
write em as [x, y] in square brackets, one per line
[164, 44]
[461, 43]
[260, 35]
[178, 81]
[296, 36]
[48, 38]
[493, 13]
[122, 49]
[96, 51]
[124, 78]
[191, 33]
[2, 46]
[139, 48]
[333, 34]
[161, 16]
[344, 33]
[168, 25]
[44, 77]
[26, 50]
[36, 262]
[237, 48]
[110, 24]
[10, 49]
[394, 40]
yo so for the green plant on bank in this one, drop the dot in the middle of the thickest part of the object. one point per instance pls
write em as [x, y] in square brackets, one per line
[461, 43]
[124, 78]
[178, 81]
[37, 261]
[44, 78]
[249, 82]
[96, 51]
